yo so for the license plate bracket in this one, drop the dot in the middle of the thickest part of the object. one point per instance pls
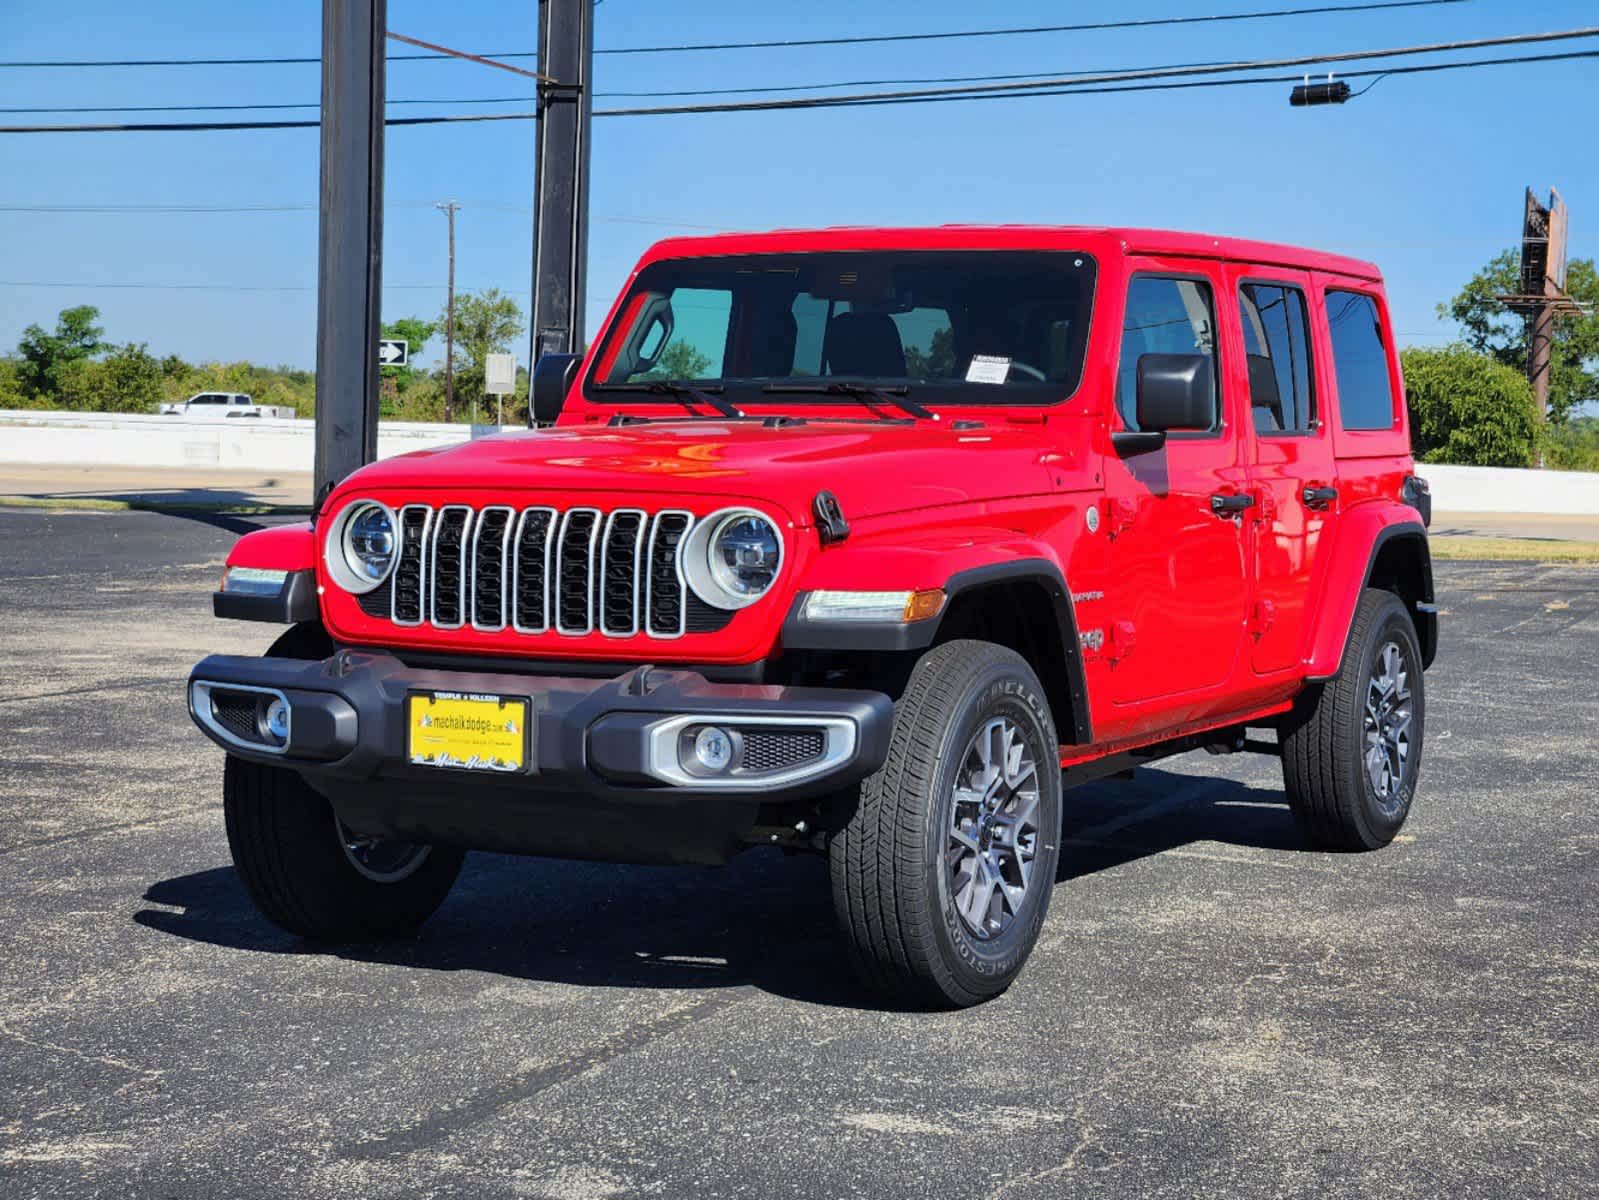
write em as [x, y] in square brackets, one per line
[468, 731]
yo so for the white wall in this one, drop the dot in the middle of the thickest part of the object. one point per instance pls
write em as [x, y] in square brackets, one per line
[1509, 490]
[242, 443]
[254, 444]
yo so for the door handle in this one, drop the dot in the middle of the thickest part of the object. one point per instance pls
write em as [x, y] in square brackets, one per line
[1318, 497]
[1229, 504]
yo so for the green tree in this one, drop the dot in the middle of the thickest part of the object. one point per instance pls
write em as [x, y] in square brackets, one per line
[1490, 328]
[679, 360]
[128, 380]
[485, 323]
[46, 356]
[1469, 408]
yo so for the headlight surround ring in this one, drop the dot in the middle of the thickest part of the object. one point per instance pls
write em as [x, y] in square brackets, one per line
[362, 546]
[732, 557]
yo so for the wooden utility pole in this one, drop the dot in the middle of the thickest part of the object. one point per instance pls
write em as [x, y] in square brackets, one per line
[448, 208]
[1540, 297]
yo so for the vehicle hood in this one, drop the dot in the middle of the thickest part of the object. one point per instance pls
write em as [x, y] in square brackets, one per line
[872, 467]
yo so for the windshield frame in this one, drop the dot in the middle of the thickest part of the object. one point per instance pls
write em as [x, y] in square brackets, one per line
[749, 392]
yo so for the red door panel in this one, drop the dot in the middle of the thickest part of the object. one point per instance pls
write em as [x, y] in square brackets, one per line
[1288, 447]
[1179, 586]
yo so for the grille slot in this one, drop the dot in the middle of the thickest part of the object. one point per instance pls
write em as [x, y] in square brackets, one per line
[531, 569]
[767, 750]
[410, 570]
[663, 584]
[574, 570]
[490, 567]
[540, 569]
[619, 572]
[448, 567]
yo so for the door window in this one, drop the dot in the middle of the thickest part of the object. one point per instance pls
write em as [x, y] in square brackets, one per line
[1165, 316]
[1360, 362]
[1277, 343]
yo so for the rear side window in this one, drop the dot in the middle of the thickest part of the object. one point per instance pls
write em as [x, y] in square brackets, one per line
[1281, 392]
[1164, 316]
[1360, 361]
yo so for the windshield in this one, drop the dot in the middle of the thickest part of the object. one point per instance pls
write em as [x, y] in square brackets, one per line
[956, 327]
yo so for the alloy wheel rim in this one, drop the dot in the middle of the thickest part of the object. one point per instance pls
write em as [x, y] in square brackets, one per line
[993, 829]
[379, 859]
[1386, 726]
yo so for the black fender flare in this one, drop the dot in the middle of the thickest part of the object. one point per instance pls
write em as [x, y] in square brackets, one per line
[916, 636]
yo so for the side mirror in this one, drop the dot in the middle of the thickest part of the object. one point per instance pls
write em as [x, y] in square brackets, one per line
[552, 379]
[1176, 391]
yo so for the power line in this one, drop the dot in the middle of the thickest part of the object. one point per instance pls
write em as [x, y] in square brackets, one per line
[854, 40]
[1083, 27]
[1308, 60]
[1149, 81]
[656, 94]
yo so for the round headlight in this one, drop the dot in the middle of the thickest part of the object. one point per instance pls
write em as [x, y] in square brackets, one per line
[361, 547]
[744, 554]
[732, 558]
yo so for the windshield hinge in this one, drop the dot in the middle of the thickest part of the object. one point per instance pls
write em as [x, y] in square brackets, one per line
[831, 526]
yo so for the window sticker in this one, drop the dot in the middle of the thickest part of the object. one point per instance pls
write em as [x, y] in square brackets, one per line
[988, 368]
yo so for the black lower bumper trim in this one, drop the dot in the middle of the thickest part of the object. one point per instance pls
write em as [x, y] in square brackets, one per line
[580, 795]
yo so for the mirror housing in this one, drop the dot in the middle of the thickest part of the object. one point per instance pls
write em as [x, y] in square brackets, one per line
[1176, 392]
[553, 375]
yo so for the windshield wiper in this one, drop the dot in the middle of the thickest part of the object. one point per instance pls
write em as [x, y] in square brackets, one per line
[896, 397]
[676, 387]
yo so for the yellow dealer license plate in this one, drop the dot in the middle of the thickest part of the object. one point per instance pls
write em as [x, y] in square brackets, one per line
[466, 731]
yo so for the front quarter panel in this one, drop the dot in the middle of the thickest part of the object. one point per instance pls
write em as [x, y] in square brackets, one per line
[278, 548]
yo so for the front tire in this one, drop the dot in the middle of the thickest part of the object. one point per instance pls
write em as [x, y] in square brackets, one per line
[311, 876]
[1352, 746]
[943, 873]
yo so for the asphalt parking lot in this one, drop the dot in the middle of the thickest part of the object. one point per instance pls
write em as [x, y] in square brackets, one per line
[1212, 1011]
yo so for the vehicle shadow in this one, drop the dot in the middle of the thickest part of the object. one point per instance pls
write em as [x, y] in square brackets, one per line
[765, 920]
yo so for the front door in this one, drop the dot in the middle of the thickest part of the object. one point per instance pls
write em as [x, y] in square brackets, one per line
[1289, 450]
[1179, 587]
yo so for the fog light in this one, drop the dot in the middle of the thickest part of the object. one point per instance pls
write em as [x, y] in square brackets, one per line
[277, 721]
[713, 750]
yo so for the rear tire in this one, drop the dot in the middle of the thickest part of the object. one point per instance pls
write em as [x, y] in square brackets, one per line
[1352, 746]
[312, 877]
[942, 875]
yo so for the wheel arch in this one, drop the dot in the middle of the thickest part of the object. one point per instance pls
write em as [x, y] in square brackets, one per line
[1027, 607]
[1377, 550]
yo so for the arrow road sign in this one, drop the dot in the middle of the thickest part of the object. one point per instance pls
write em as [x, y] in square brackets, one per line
[394, 352]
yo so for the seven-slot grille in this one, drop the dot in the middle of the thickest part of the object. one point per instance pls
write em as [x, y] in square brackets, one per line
[542, 570]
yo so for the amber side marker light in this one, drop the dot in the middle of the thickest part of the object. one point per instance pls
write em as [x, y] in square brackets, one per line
[898, 606]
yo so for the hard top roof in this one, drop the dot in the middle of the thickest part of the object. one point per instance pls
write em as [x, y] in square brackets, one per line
[1104, 240]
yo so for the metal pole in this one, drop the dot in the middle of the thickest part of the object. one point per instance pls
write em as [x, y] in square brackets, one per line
[561, 179]
[1540, 347]
[448, 209]
[350, 238]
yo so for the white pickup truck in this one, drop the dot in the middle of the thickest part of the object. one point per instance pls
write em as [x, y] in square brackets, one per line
[217, 405]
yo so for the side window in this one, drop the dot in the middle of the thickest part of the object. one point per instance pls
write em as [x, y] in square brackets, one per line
[1360, 362]
[1165, 316]
[1281, 391]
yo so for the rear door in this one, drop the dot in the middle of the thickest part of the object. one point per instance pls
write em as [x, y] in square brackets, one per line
[1288, 446]
[1179, 585]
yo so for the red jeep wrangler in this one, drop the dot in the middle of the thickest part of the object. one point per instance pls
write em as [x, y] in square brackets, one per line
[867, 542]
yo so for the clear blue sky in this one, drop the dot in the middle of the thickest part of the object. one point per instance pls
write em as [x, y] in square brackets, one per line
[1424, 175]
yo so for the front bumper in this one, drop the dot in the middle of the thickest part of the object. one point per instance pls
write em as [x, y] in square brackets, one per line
[602, 780]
